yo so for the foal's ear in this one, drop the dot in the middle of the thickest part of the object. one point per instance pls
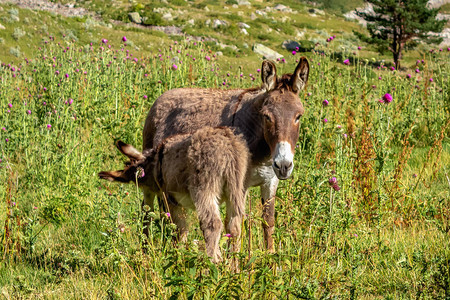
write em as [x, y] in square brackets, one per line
[300, 76]
[132, 153]
[268, 75]
[119, 176]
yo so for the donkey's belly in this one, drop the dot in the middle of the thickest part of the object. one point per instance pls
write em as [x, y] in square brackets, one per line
[183, 199]
[261, 174]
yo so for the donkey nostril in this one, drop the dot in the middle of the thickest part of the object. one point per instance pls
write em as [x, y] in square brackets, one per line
[276, 165]
[290, 165]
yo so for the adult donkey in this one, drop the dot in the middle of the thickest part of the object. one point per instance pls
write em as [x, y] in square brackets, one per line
[268, 117]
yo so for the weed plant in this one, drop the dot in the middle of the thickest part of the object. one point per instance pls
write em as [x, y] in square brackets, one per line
[365, 214]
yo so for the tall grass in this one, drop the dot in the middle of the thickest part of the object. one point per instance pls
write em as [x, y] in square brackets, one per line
[381, 230]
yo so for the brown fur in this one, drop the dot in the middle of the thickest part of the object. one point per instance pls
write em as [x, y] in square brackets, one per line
[264, 116]
[197, 171]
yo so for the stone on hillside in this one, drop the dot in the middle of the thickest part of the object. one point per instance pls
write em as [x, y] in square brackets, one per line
[243, 25]
[266, 52]
[168, 17]
[243, 2]
[206, 8]
[290, 45]
[219, 53]
[235, 6]
[219, 23]
[208, 22]
[2, 27]
[283, 8]
[261, 13]
[135, 17]
[244, 31]
[253, 17]
[191, 22]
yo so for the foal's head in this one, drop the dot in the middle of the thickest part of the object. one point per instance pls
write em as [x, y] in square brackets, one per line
[281, 111]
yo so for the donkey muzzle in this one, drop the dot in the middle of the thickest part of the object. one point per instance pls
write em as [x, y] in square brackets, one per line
[283, 160]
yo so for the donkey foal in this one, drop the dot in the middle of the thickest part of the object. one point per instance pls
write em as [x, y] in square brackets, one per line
[199, 170]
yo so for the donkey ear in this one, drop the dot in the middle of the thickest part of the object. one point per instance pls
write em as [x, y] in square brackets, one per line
[128, 150]
[300, 77]
[268, 75]
[119, 176]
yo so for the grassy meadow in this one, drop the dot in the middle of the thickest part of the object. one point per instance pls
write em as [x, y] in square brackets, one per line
[383, 232]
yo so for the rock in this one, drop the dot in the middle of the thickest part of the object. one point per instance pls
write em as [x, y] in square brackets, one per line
[266, 52]
[243, 25]
[290, 45]
[15, 18]
[206, 8]
[168, 17]
[208, 22]
[240, 13]
[2, 27]
[219, 23]
[235, 6]
[243, 2]
[135, 17]
[261, 13]
[253, 17]
[299, 34]
[283, 8]
[219, 53]
[191, 22]
[244, 31]
[245, 45]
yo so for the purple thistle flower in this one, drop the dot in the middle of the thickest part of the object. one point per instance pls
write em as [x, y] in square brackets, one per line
[336, 187]
[174, 66]
[168, 215]
[325, 102]
[431, 79]
[387, 98]
[417, 71]
[104, 41]
[408, 76]
[145, 96]
[9, 105]
[359, 48]
[207, 58]
[29, 112]
[294, 52]
[332, 180]
[67, 75]
[6, 140]
[57, 72]
[325, 120]
[49, 126]
[346, 62]
[228, 235]
[392, 68]
[124, 38]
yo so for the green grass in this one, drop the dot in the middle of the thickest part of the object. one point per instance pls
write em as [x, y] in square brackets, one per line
[384, 234]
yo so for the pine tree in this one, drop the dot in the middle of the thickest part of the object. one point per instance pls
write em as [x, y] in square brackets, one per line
[398, 24]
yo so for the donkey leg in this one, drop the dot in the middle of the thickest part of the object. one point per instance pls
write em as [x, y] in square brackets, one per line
[178, 215]
[233, 227]
[268, 191]
[209, 217]
[147, 206]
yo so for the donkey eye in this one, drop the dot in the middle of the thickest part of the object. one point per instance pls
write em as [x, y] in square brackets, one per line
[267, 118]
[297, 118]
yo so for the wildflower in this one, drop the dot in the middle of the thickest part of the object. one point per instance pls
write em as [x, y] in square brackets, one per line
[228, 235]
[3, 128]
[325, 102]
[344, 135]
[417, 71]
[140, 173]
[104, 41]
[207, 58]
[145, 96]
[359, 48]
[332, 180]
[70, 101]
[13, 204]
[325, 120]
[6, 140]
[29, 112]
[336, 187]
[67, 75]
[379, 78]
[355, 235]
[408, 76]
[168, 214]
[45, 89]
[294, 52]
[56, 72]
[346, 62]
[124, 38]
[174, 67]
[392, 68]
[49, 126]
[338, 126]
[9, 105]
[387, 98]
[431, 79]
